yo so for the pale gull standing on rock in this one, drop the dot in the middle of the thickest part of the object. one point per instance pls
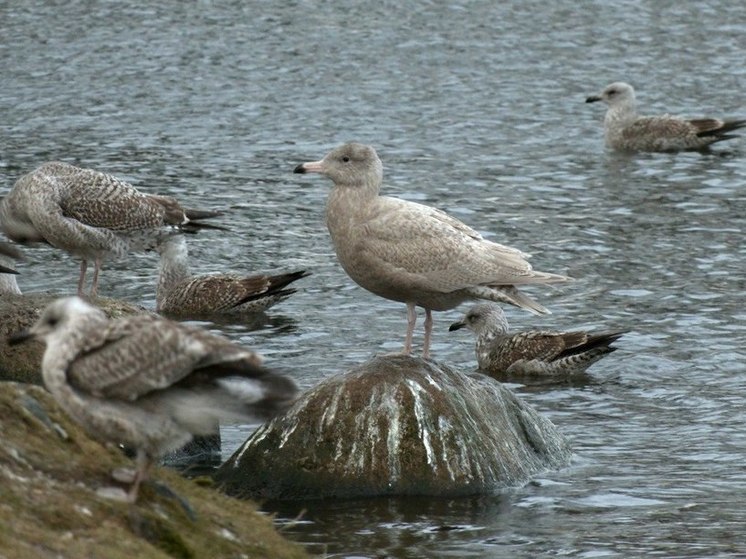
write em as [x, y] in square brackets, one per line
[625, 130]
[533, 352]
[412, 253]
[8, 284]
[91, 215]
[183, 295]
[148, 382]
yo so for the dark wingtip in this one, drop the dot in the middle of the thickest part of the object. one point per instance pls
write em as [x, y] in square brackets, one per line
[592, 99]
[4, 270]
[299, 169]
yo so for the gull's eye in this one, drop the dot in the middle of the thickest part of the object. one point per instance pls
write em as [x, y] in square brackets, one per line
[611, 92]
[346, 159]
[52, 321]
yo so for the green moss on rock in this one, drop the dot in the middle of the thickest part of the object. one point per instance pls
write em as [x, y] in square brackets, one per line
[50, 470]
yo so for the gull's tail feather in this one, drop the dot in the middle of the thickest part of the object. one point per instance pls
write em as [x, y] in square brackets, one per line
[508, 294]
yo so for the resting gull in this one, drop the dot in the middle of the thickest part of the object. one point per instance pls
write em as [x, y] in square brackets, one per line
[183, 295]
[412, 253]
[148, 382]
[91, 215]
[8, 284]
[625, 130]
[533, 352]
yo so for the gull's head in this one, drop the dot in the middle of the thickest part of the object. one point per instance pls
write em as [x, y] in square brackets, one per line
[617, 93]
[484, 317]
[56, 317]
[352, 164]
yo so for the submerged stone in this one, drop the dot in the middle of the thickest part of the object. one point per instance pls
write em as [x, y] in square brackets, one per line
[397, 425]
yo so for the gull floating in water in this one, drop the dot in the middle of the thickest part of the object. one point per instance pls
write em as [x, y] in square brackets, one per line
[412, 253]
[183, 295]
[8, 284]
[532, 352]
[91, 215]
[148, 382]
[625, 130]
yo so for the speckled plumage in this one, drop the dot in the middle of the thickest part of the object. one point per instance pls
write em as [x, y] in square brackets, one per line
[625, 130]
[8, 284]
[89, 214]
[413, 253]
[148, 382]
[533, 352]
[180, 294]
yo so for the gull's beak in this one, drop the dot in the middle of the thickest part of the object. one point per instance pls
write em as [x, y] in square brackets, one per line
[4, 270]
[592, 99]
[457, 326]
[20, 337]
[312, 167]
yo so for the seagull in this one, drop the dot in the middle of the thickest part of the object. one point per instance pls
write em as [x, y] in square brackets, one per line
[148, 382]
[412, 253]
[91, 215]
[534, 352]
[183, 295]
[625, 130]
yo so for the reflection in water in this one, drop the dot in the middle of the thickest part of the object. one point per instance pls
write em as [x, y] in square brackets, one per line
[477, 109]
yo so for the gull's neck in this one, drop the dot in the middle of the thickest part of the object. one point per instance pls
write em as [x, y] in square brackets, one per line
[174, 266]
[63, 346]
[488, 332]
[348, 204]
[622, 111]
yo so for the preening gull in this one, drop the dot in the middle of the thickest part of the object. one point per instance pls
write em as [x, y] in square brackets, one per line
[91, 215]
[625, 130]
[181, 294]
[413, 253]
[8, 284]
[148, 382]
[532, 352]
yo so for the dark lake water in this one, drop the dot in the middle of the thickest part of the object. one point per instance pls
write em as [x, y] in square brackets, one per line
[476, 108]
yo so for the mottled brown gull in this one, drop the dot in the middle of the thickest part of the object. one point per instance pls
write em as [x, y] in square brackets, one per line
[8, 284]
[183, 295]
[625, 130]
[148, 382]
[533, 352]
[91, 215]
[412, 253]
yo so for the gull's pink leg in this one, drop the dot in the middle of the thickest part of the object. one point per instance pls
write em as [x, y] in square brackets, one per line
[411, 320]
[428, 331]
[81, 281]
[94, 283]
[141, 474]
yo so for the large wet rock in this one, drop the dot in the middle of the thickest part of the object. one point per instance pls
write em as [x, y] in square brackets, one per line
[23, 362]
[49, 473]
[397, 425]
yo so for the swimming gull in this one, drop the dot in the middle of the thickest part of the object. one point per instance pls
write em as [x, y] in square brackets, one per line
[533, 352]
[148, 382]
[181, 294]
[8, 284]
[91, 215]
[413, 253]
[625, 130]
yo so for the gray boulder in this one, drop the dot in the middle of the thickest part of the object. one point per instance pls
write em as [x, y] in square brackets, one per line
[397, 425]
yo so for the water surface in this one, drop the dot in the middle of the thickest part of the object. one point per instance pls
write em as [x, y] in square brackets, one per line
[475, 108]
